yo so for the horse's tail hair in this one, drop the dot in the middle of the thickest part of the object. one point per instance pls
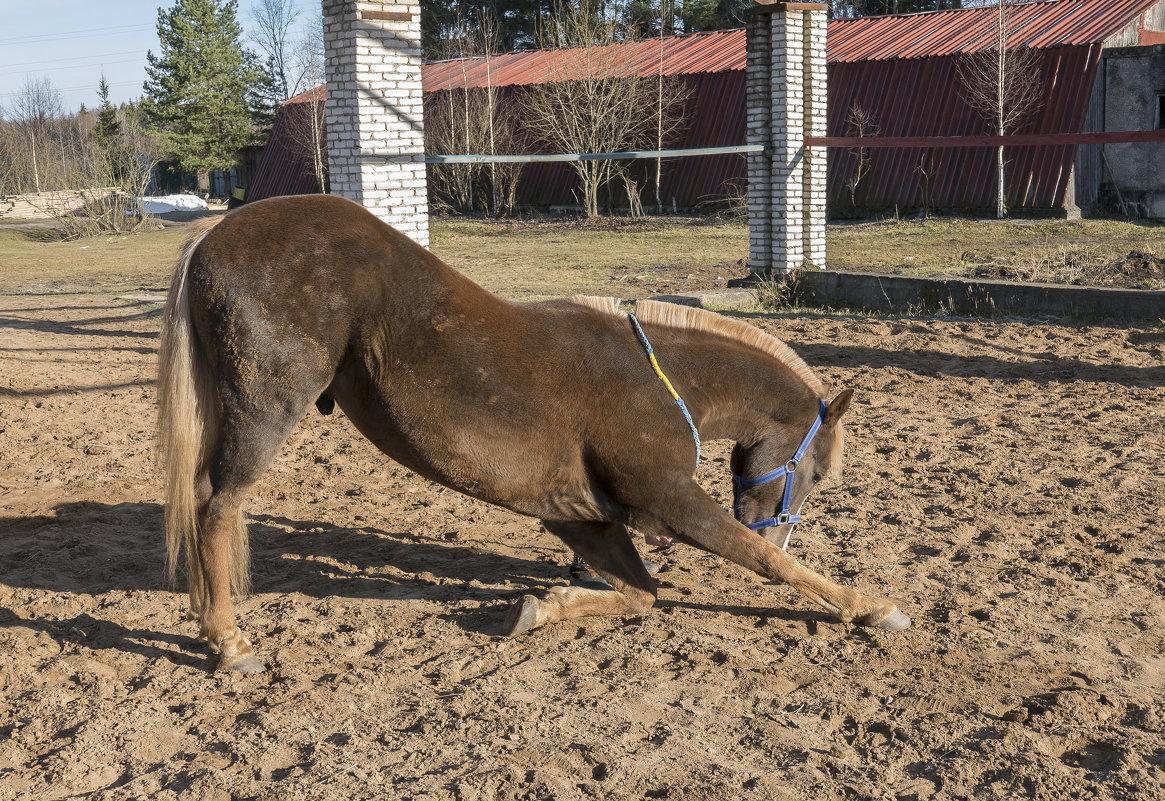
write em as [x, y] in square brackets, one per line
[189, 417]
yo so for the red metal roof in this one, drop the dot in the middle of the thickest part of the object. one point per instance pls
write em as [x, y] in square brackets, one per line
[717, 51]
[1051, 23]
[319, 93]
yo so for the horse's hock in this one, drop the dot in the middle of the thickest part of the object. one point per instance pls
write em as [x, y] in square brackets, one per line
[376, 136]
[786, 97]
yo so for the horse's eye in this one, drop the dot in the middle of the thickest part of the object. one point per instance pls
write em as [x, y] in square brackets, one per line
[816, 477]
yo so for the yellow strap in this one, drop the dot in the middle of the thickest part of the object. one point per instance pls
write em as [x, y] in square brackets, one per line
[655, 366]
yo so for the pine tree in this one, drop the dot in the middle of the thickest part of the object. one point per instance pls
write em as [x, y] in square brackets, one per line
[108, 127]
[200, 86]
[269, 91]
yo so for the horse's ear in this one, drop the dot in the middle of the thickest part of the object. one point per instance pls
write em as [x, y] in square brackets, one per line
[837, 406]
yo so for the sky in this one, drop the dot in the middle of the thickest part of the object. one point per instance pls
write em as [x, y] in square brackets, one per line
[71, 42]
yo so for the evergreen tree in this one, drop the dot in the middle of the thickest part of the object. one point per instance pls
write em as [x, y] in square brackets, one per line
[265, 97]
[201, 86]
[108, 126]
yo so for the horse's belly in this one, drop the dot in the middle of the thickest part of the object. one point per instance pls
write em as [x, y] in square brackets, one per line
[489, 460]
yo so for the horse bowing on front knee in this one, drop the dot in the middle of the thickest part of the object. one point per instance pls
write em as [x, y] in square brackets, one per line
[569, 411]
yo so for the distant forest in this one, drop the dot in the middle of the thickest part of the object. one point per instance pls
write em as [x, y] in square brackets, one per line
[445, 23]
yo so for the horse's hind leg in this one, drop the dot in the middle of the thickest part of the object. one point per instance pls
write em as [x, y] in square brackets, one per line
[608, 549]
[246, 446]
[219, 523]
[195, 579]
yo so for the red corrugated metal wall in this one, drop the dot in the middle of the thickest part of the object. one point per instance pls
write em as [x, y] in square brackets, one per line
[916, 97]
[922, 97]
[908, 96]
[285, 168]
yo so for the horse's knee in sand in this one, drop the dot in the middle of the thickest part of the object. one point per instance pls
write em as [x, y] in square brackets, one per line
[565, 603]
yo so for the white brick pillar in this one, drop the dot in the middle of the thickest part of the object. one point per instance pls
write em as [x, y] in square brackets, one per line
[786, 95]
[758, 129]
[376, 137]
[815, 187]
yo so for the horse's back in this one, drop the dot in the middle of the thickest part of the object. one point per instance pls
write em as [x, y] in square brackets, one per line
[298, 254]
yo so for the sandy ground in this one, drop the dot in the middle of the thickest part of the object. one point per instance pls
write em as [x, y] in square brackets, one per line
[1004, 483]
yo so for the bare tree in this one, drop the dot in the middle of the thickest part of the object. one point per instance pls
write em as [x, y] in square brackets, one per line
[670, 97]
[1003, 83]
[859, 123]
[306, 123]
[87, 176]
[589, 104]
[110, 176]
[272, 20]
[454, 121]
[925, 170]
[38, 118]
[472, 119]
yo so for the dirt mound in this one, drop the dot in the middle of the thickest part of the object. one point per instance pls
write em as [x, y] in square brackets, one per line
[1137, 270]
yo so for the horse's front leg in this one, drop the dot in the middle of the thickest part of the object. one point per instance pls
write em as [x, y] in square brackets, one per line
[689, 515]
[608, 549]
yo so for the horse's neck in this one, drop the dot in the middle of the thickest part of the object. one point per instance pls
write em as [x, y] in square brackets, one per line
[733, 391]
[444, 290]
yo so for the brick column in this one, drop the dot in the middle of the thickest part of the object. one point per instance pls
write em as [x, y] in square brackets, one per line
[758, 124]
[815, 185]
[376, 139]
[786, 101]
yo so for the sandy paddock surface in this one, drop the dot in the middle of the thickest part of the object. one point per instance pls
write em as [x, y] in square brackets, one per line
[1004, 482]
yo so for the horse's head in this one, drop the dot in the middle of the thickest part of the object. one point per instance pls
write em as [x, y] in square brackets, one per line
[761, 470]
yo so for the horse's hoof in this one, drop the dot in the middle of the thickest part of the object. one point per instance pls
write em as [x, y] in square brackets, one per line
[522, 617]
[247, 663]
[895, 621]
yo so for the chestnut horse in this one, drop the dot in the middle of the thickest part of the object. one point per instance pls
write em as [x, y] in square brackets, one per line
[552, 409]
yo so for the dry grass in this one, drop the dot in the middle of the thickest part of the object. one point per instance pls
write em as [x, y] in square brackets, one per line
[1059, 251]
[105, 264]
[631, 259]
[627, 258]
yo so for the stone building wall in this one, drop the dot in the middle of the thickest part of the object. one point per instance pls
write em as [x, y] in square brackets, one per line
[1134, 100]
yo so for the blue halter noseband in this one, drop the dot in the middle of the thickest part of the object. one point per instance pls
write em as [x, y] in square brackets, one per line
[784, 517]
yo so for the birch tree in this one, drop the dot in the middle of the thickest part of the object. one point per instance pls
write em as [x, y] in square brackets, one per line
[272, 21]
[306, 64]
[1002, 83]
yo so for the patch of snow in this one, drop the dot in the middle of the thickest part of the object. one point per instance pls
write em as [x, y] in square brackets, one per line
[168, 203]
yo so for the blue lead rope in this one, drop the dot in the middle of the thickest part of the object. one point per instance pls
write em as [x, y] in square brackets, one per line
[670, 389]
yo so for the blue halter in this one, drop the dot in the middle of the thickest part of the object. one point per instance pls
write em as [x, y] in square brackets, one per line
[784, 517]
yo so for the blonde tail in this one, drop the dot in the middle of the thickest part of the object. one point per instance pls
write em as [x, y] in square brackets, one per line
[188, 424]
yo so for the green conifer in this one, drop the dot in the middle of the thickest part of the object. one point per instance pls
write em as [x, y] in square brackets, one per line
[200, 85]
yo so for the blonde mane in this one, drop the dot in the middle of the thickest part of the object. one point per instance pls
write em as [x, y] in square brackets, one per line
[675, 316]
[606, 305]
